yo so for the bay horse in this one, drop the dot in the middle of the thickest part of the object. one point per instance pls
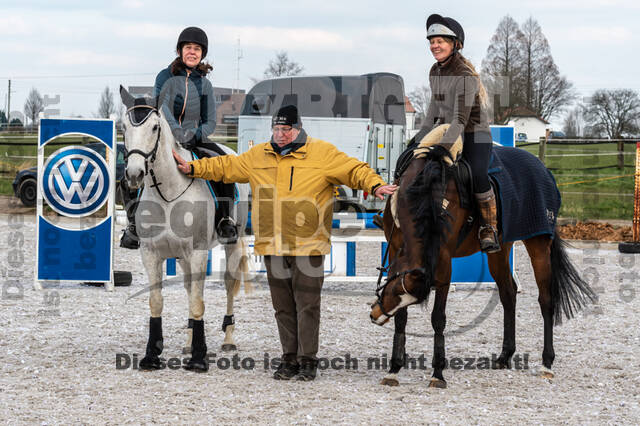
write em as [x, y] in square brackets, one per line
[175, 218]
[434, 229]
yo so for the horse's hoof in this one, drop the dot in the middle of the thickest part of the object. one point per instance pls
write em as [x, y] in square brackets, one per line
[545, 373]
[390, 380]
[149, 363]
[229, 347]
[186, 350]
[501, 365]
[437, 383]
[197, 366]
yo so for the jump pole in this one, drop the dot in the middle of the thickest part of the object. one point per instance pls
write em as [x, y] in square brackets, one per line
[634, 246]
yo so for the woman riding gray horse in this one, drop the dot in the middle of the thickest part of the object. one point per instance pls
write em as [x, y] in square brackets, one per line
[186, 97]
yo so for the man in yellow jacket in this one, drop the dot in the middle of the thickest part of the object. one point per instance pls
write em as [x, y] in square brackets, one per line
[292, 179]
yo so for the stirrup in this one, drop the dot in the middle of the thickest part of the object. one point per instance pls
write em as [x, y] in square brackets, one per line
[489, 245]
[232, 236]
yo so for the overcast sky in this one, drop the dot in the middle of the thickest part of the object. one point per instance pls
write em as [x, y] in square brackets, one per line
[76, 48]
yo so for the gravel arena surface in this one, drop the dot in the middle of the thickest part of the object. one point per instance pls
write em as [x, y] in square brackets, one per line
[59, 349]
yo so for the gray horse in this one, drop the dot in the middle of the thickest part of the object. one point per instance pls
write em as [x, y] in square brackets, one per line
[176, 220]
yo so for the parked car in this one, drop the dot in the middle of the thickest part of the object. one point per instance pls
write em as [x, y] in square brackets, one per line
[25, 183]
[557, 135]
[521, 137]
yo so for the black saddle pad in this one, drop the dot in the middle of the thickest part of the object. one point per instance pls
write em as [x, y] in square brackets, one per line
[529, 197]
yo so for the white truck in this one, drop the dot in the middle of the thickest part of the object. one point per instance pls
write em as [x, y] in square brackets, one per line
[363, 116]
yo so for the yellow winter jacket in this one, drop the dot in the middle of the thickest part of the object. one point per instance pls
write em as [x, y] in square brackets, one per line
[292, 205]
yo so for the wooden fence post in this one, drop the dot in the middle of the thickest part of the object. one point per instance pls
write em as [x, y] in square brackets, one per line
[542, 147]
[621, 155]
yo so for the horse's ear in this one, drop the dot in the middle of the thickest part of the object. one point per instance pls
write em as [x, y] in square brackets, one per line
[153, 101]
[126, 97]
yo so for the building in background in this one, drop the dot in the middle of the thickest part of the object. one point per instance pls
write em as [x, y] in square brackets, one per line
[528, 122]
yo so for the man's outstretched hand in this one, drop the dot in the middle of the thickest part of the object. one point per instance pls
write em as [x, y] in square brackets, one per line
[183, 165]
[383, 190]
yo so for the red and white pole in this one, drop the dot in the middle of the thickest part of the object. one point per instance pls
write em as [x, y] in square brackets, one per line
[636, 204]
[634, 246]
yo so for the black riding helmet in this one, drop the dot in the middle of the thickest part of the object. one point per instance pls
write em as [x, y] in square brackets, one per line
[442, 26]
[193, 35]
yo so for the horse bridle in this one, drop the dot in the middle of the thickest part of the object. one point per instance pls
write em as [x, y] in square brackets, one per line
[149, 157]
[382, 269]
[380, 289]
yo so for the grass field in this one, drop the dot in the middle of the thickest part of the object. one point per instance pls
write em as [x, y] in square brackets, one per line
[605, 193]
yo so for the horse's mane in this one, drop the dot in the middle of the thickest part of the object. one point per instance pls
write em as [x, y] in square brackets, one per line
[431, 222]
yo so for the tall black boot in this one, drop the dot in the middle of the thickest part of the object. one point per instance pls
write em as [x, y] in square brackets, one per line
[151, 361]
[129, 237]
[226, 227]
[488, 232]
[198, 361]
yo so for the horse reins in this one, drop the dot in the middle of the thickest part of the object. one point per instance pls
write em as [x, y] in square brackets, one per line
[383, 269]
[150, 157]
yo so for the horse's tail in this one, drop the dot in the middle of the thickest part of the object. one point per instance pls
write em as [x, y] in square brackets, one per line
[569, 292]
[246, 267]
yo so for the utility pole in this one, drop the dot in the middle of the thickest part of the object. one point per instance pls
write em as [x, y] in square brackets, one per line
[238, 57]
[9, 104]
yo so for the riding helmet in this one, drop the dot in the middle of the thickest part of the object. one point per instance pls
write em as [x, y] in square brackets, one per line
[442, 26]
[193, 35]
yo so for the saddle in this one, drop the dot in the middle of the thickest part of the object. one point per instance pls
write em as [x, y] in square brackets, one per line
[422, 149]
[456, 165]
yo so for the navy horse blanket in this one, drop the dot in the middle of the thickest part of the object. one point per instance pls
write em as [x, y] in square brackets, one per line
[528, 195]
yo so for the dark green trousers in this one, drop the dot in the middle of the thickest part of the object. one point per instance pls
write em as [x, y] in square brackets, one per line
[295, 283]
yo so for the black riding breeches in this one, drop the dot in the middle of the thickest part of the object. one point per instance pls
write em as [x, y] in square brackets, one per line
[477, 151]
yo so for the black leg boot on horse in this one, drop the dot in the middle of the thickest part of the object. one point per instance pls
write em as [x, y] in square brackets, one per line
[488, 232]
[130, 198]
[198, 361]
[151, 360]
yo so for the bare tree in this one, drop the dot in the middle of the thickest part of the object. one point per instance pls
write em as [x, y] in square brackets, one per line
[545, 91]
[503, 62]
[33, 106]
[535, 53]
[107, 106]
[420, 98]
[521, 56]
[282, 66]
[613, 112]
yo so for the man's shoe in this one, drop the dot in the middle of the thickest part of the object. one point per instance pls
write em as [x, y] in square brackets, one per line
[286, 370]
[227, 231]
[308, 369]
[130, 238]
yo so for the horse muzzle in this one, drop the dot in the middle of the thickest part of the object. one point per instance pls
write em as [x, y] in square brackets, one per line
[134, 176]
[377, 316]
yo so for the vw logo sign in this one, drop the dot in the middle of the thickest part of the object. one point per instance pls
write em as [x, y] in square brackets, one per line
[75, 181]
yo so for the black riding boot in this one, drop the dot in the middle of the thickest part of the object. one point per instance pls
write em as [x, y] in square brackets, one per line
[488, 232]
[129, 237]
[226, 227]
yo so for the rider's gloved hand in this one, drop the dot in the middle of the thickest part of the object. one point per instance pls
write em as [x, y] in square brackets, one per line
[185, 138]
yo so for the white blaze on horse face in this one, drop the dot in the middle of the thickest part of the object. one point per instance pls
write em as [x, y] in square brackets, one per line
[405, 300]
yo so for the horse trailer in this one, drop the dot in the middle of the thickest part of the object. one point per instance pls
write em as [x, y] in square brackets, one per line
[363, 116]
